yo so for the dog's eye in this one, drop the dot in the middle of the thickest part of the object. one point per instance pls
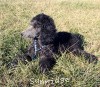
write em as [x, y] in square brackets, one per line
[36, 25]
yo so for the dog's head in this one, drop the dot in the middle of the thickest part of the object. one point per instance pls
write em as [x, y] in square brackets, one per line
[41, 24]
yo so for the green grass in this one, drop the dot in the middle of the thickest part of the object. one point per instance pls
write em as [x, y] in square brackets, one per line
[77, 16]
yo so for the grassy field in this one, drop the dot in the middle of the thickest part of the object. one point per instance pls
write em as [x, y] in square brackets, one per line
[76, 16]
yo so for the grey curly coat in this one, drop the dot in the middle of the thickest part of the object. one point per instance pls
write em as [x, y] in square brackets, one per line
[42, 26]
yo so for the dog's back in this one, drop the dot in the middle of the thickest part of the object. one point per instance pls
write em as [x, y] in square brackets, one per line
[66, 41]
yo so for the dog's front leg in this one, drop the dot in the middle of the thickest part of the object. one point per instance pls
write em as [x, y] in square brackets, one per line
[29, 53]
[46, 63]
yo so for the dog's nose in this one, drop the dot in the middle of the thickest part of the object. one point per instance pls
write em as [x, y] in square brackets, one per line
[21, 34]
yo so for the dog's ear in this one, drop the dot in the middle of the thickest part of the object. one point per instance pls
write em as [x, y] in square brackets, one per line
[48, 29]
[48, 23]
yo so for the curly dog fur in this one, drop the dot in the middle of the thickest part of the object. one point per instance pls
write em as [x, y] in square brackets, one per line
[55, 42]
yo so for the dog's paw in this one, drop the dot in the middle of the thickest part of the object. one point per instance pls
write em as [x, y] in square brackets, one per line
[46, 64]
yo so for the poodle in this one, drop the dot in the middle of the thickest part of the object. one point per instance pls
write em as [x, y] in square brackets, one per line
[49, 42]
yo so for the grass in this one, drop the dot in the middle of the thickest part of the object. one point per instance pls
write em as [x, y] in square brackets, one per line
[70, 15]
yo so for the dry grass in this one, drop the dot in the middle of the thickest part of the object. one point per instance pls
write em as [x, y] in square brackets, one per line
[70, 15]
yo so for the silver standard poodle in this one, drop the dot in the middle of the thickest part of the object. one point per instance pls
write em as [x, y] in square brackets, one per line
[47, 42]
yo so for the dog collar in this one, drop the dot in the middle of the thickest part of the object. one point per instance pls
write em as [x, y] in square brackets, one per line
[36, 48]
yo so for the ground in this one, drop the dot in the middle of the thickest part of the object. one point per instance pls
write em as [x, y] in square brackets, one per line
[76, 16]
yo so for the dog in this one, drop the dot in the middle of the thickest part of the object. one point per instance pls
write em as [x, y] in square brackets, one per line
[50, 42]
